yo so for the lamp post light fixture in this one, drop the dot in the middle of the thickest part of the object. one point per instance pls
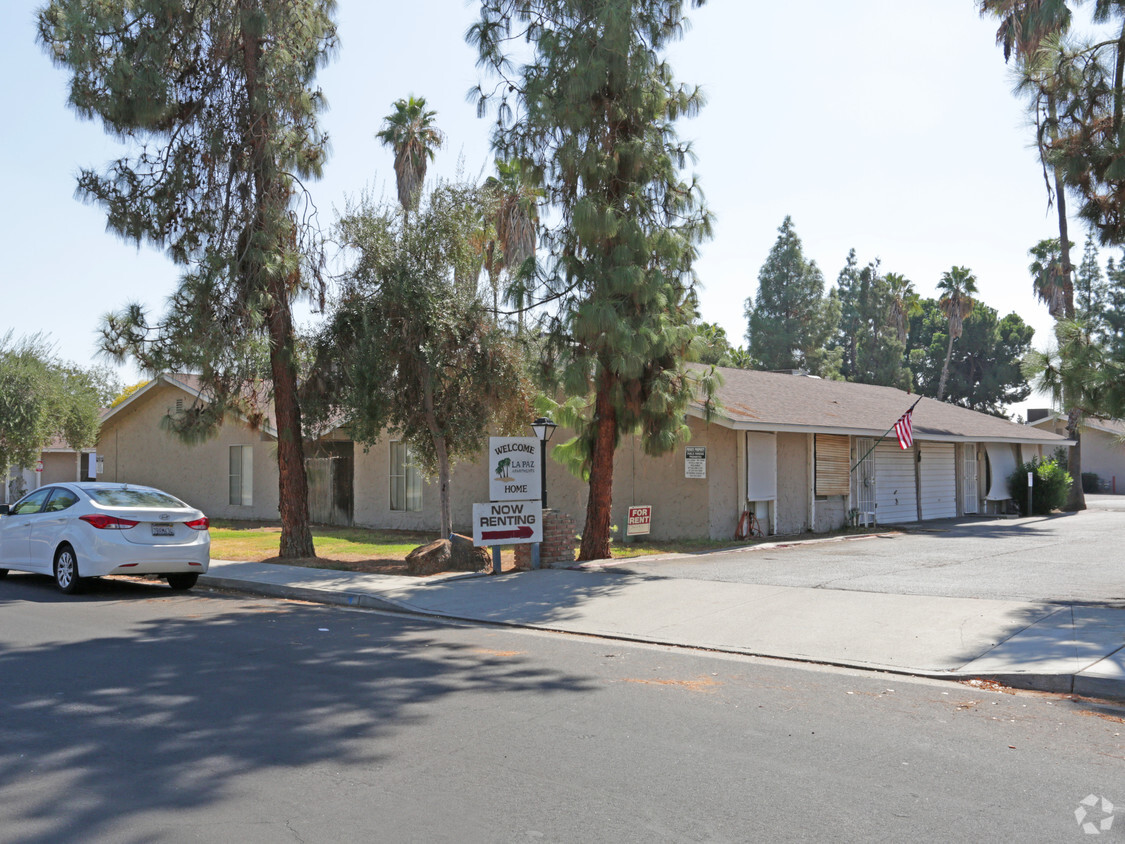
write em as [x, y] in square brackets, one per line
[544, 429]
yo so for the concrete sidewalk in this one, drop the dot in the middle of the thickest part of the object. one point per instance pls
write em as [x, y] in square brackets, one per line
[1053, 647]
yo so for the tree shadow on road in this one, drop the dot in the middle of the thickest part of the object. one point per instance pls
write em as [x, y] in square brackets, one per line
[168, 710]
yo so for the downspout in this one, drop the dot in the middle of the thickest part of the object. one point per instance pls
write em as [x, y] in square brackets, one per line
[812, 482]
[918, 479]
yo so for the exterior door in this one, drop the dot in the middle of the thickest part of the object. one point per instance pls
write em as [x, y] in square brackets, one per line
[896, 495]
[970, 496]
[865, 479]
[939, 480]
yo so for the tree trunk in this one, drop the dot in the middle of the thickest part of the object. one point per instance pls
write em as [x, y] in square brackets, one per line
[1076, 499]
[441, 450]
[945, 368]
[270, 195]
[293, 484]
[599, 503]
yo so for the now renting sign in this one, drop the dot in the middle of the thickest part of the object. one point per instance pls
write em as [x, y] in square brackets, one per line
[507, 523]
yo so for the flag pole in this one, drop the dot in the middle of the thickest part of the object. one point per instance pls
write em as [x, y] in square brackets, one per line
[911, 410]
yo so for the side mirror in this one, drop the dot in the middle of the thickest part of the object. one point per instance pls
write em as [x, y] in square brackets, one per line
[4, 509]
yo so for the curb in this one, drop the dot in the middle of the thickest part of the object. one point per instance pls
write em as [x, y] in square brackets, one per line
[302, 593]
[1075, 684]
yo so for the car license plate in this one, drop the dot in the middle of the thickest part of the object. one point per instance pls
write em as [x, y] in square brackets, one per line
[163, 530]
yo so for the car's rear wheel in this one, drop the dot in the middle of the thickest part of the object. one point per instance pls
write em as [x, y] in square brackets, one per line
[66, 571]
[180, 582]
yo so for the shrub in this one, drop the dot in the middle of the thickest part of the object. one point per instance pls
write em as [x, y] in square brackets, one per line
[1052, 483]
[1090, 482]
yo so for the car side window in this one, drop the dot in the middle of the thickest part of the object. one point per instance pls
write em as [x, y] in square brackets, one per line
[60, 500]
[32, 503]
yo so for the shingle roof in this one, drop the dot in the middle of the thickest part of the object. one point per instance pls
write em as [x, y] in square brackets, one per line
[257, 396]
[769, 401]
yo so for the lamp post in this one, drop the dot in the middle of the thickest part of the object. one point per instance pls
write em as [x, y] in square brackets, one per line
[544, 429]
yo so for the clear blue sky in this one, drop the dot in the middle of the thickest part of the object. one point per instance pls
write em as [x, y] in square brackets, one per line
[878, 124]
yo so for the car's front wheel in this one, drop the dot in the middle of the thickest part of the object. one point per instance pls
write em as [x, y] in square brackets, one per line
[66, 571]
[181, 582]
[3, 573]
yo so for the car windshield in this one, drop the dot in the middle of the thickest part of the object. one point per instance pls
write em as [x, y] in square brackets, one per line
[134, 498]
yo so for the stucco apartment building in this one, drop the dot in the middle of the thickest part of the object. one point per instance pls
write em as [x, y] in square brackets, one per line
[1103, 445]
[800, 453]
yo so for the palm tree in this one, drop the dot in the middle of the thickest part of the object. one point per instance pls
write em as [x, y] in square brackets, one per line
[905, 303]
[516, 222]
[957, 287]
[1024, 24]
[1048, 276]
[410, 132]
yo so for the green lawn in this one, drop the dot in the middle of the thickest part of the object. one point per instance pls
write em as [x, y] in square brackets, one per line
[364, 549]
[258, 541]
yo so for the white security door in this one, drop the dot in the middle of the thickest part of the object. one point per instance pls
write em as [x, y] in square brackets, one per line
[895, 496]
[970, 495]
[939, 480]
[865, 477]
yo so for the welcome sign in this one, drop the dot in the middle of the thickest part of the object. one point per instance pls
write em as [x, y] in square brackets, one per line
[513, 469]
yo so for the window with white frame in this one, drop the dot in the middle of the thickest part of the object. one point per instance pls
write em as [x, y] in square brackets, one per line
[241, 475]
[406, 480]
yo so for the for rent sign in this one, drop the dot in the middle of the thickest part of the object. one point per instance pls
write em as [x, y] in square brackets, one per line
[507, 523]
[513, 465]
[640, 520]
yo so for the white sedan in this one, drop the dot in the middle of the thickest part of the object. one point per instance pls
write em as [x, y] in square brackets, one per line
[77, 530]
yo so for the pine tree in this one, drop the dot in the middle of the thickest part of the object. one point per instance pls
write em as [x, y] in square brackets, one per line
[216, 104]
[589, 104]
[872, 326]
[1090, 286]
[790, 322]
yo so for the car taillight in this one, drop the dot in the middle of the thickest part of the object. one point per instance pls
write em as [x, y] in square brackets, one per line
[108, 522]
[199, 524]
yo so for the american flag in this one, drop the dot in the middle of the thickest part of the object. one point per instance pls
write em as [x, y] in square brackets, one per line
[904, 430]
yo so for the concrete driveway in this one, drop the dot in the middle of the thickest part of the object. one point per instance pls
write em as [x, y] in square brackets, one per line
[1073, 557]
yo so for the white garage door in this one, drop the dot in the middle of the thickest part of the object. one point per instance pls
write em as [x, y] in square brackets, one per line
[894, 484]
[939, 480]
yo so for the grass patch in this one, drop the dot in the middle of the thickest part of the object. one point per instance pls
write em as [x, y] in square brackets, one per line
[340, 548]
[258, 541]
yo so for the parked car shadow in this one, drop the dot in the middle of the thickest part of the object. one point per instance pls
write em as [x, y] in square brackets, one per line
[165, 711]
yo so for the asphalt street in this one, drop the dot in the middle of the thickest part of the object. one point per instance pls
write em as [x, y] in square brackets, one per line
[1063, 557]
[134, 714]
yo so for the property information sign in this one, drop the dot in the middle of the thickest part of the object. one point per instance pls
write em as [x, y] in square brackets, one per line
[695, 461]
[507, 523]
[640, 520]
[513, 469]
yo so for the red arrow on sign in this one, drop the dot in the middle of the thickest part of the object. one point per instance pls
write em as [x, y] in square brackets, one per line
[522, 532]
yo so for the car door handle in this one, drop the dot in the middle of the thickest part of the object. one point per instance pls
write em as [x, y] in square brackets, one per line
[24, 524]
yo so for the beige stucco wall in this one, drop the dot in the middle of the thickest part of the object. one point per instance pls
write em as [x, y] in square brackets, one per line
[58, 467]
[792, 483]
[682, 507]
[1102, 454]
[831, 513]
[138, 450]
